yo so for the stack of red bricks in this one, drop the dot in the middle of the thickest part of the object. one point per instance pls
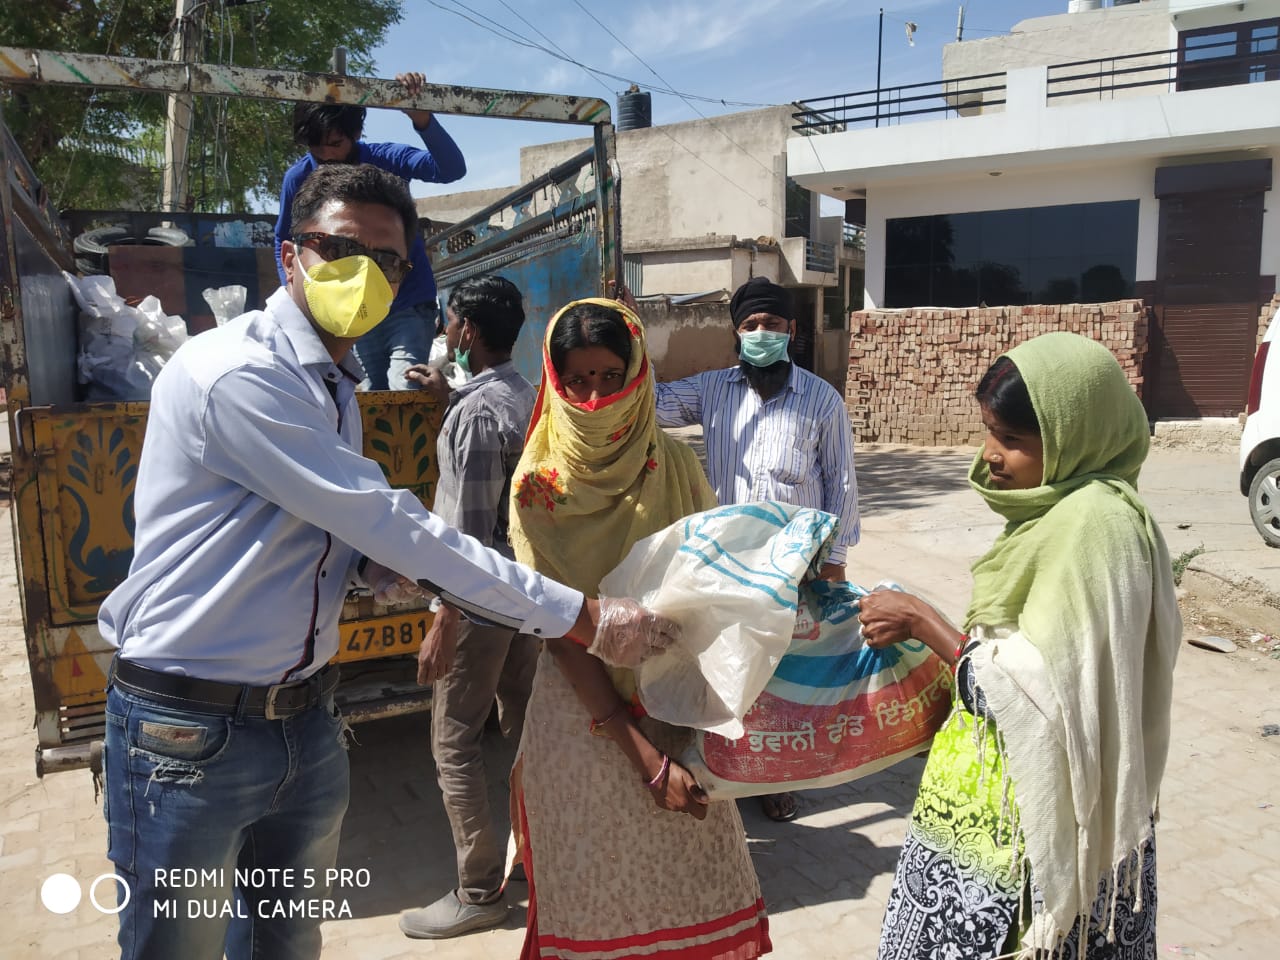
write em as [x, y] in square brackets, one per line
[1265, 315]
[912, 372]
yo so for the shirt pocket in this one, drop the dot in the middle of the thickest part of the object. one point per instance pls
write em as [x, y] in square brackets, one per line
[794, 464]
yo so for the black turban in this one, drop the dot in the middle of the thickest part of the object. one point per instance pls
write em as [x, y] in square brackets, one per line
[759, 295]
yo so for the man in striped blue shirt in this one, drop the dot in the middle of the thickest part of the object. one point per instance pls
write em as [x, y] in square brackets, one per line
[772, 431]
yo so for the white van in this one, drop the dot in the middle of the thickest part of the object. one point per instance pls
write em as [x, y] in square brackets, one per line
[1260, 442]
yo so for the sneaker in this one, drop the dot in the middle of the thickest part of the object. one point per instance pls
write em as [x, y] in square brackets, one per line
[449, 917]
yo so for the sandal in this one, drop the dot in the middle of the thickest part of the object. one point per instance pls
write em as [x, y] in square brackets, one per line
[780, 807]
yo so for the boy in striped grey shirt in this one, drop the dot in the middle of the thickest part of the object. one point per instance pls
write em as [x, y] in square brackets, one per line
[470, 665]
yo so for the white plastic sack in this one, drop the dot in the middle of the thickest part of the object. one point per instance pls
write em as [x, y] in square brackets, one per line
[227, 302]
[439, 358]
[122, 348]
[155, 339]
[102, 311]
[730, 577]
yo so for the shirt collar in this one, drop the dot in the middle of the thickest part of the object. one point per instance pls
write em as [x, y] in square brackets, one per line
[307, 345]
[499, 372]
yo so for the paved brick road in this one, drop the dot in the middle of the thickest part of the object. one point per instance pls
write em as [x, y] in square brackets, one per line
[826, 875]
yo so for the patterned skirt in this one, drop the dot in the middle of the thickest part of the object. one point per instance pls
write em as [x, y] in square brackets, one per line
[612, 876]
[956, 892]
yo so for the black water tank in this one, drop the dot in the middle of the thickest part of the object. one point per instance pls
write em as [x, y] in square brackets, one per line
[635, 109]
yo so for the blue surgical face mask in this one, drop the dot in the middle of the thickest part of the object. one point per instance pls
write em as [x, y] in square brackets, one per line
[763, 348]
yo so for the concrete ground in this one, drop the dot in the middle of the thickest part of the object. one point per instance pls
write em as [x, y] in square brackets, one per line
[826, 875]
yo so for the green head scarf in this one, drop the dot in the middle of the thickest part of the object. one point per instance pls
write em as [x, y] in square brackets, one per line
[1081, 689]
[1094, 430]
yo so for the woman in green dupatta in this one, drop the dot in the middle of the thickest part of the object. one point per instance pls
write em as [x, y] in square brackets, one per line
[1033, 831]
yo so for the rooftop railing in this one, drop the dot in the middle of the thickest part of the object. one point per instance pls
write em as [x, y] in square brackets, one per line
[1222, 64]
[1168, 70]
[890, 105]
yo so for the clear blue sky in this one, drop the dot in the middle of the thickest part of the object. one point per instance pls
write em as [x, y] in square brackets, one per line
[758, 51]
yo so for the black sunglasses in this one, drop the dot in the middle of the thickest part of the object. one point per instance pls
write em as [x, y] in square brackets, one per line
[331, 247]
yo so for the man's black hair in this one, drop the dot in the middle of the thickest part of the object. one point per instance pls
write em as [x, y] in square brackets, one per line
[496, 307]
[590, 325]
[312, 122]
[354, 183]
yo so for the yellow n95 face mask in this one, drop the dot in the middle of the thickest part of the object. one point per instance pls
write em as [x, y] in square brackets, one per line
[348, 297]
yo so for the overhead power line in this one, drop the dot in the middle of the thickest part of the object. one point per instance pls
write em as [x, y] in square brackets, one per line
[562, 52]
[663, 79]
[506, 33]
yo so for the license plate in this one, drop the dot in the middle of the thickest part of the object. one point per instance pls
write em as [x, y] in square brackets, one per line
[382, 636]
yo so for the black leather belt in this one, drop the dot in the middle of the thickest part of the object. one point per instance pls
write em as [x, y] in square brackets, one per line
[275, 702]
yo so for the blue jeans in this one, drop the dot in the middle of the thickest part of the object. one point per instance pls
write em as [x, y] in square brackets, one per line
[395, 345]
[201, 807]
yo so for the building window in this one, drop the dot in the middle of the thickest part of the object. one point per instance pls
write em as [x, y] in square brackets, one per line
[1073, 253]
[833, 308]
[1228, 55]
[839, 301]
[799, 211]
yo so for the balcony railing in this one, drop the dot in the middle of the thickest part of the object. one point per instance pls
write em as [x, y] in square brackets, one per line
[891, 105]
[1158, 70]
[1167, 70]
[853, 235]
[819, 256]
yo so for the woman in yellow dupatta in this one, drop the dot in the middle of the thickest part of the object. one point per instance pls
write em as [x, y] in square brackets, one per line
[625, 857]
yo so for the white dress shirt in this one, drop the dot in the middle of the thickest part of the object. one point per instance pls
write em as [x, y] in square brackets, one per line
[796, 447]
[254, 502]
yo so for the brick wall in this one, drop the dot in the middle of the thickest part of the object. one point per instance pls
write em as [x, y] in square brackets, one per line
[912, 372]
[1269, 310]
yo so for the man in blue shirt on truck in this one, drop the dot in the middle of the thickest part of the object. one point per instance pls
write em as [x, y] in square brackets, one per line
[331, 134]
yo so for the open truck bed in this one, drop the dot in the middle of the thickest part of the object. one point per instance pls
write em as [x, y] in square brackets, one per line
[75, 463]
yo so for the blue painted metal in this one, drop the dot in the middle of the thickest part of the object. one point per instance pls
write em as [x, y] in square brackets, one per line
[557, 274]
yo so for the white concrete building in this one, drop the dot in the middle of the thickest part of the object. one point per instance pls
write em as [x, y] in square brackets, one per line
[706, 205]
[1088, 156]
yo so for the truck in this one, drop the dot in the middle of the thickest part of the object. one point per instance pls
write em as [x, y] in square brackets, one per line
[74, 462]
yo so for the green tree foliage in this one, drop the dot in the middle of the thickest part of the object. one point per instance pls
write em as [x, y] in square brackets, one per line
[103, 149]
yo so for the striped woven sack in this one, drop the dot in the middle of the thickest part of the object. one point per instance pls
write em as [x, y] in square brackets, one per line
[834, 709]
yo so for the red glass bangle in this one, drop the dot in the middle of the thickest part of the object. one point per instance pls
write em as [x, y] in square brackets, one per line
[955, 660]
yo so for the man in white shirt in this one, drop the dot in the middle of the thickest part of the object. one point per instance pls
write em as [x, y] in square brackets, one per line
[255, 511]
[772, 432]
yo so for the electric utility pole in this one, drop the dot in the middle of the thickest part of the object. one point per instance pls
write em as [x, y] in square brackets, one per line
[177, 127]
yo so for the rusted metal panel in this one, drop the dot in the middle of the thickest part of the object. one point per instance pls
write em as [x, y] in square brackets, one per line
[27, 65]
[556, 238]
[76, 516]
[87, 458]
[400, 430]
[86, 467]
